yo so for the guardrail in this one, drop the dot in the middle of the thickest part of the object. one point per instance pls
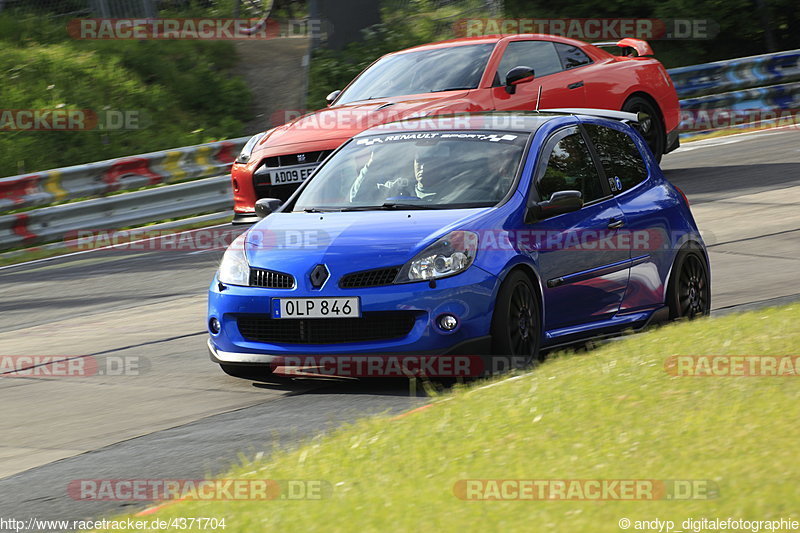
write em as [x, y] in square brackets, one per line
[112, 212]
[770, 81]
[122, 174]
[736, 74]
[745, 90]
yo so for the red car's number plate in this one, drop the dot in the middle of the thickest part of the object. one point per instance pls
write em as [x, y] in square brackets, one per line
[291, 175]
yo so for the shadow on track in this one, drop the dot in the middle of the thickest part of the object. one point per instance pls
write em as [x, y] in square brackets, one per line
[719, 182]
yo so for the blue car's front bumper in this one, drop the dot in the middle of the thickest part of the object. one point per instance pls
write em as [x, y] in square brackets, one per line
[469, 296]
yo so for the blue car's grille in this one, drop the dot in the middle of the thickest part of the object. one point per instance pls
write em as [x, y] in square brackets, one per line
[369, 278]
[371, 326]
[269, 279]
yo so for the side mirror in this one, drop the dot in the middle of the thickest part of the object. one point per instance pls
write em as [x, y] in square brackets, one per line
[266, 206]
[516, 76]
[559, 203]
[333, 96]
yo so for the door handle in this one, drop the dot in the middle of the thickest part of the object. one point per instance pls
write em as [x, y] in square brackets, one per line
[576, 85]
[615, 223]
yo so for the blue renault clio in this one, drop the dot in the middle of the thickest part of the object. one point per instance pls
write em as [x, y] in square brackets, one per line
[500, 234]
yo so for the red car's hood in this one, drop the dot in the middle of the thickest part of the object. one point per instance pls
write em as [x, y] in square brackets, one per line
[343, 121]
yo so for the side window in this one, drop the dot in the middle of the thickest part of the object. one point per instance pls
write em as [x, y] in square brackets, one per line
[572, 56]
[540, 55]
[570, 167]
[619, 156]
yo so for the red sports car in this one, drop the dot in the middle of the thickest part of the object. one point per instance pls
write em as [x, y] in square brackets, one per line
[510, 72]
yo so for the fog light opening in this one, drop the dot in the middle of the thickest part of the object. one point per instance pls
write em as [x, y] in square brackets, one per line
[447, 322]
[214, 326]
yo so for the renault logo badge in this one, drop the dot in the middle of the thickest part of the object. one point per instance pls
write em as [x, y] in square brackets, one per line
[319, 276]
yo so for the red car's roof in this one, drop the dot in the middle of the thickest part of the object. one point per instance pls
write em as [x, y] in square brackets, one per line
[491, 39]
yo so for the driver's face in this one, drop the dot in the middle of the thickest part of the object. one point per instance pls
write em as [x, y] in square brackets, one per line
[419, 170]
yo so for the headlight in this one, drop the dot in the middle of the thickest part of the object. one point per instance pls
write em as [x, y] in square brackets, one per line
[450, 255]
[244, 156]
[234, 269]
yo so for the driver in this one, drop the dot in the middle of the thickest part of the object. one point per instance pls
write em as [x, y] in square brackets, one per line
[429, 182]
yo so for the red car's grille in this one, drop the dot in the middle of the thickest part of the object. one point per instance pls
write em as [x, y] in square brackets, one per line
[303, 158]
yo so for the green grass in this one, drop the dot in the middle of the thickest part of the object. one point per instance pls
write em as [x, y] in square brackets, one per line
[735, 131]
[612, 413]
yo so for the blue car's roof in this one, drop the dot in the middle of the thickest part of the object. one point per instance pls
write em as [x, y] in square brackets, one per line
[518, 121]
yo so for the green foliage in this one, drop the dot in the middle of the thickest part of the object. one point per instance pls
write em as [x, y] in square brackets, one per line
[331, 70]
[413, 22]
[741, 23]
[182, 92]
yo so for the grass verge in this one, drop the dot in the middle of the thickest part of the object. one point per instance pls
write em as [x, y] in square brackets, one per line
[727, 132]
[614, 413]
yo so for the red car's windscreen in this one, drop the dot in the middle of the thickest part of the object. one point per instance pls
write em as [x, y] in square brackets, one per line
[440, 69]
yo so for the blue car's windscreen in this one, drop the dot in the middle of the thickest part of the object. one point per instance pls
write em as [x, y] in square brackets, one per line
[426, 71]
[433, 170]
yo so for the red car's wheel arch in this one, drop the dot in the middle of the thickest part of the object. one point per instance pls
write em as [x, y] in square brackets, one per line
[653, 101]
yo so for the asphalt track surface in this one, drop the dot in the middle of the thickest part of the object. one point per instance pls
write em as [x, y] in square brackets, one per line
[178, 416]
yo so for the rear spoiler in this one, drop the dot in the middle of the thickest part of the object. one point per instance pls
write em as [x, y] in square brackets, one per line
[629, 44]
[622, 116]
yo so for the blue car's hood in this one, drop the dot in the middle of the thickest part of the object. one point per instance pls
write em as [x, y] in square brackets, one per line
[350, 241]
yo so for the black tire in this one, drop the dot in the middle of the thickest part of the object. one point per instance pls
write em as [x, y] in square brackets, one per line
[652, 128]
[251, 372]
[516, 324]
[689, 289]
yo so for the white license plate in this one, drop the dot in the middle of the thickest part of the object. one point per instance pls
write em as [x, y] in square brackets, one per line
[296, 174]
[316, 307]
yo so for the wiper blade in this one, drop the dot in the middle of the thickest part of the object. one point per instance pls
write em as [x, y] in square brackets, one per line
[399, 205]
[393, 205]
